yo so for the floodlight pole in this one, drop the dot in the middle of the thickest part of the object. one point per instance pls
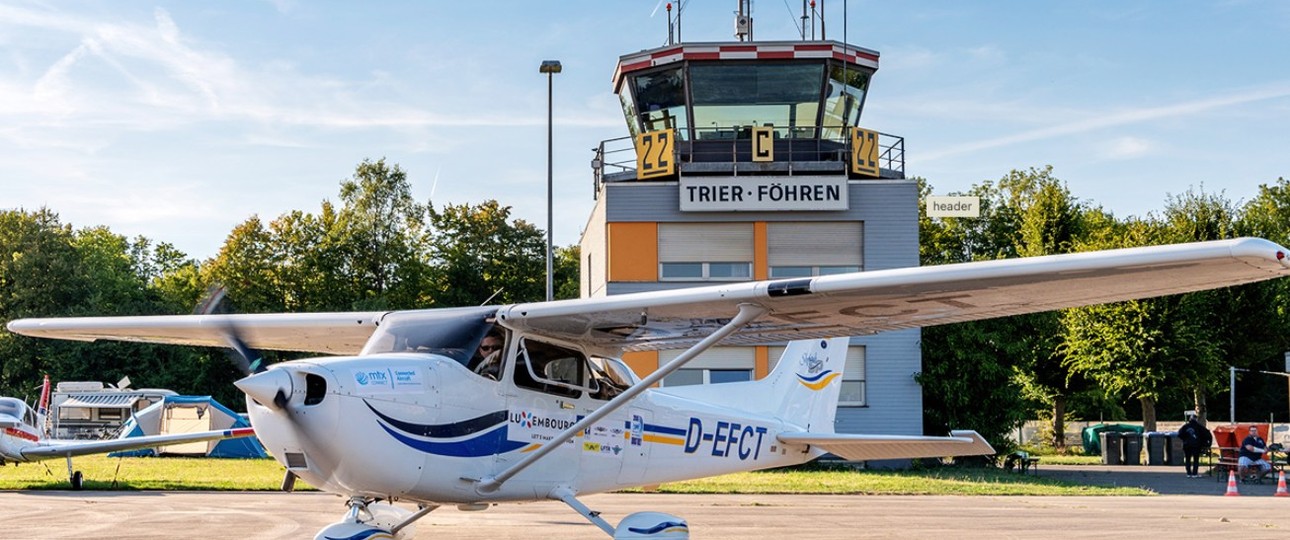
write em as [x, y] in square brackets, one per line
[550, 67]
[1232, 395]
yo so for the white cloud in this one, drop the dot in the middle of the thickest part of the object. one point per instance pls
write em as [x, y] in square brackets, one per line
[1127, 148]
[1098, 120]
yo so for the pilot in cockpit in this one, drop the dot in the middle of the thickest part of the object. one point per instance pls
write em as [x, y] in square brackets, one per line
[488, 359]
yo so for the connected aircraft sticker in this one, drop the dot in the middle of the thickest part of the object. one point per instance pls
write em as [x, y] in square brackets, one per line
[386, 380]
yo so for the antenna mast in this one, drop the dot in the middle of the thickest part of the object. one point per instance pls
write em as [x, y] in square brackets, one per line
[744, 22]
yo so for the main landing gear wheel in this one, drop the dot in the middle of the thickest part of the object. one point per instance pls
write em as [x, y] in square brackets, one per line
[368, 519]
[74, 475]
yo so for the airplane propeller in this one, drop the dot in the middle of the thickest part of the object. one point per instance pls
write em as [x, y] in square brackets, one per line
[262, 387]
[249, 362]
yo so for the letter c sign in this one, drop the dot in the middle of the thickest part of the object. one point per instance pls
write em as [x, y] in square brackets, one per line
[763, 144]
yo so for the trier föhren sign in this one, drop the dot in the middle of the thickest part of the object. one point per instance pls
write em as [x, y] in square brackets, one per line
[752, 194]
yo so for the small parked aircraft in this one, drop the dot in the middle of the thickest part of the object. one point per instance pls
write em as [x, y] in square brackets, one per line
[23, 439]
[412, 413]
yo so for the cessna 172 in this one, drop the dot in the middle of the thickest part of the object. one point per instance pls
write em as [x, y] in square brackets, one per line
[409, 416]
[23, 438]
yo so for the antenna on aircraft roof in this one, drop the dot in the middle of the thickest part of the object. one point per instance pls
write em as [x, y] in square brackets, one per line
[490, 298]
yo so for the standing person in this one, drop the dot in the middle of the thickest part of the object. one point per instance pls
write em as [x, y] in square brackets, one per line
[1252, 450]
[1195, 440]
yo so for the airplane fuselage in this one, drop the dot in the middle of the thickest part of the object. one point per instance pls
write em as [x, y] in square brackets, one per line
[17, 430]
[422, 427]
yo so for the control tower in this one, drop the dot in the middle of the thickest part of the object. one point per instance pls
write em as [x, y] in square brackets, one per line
[748, 161]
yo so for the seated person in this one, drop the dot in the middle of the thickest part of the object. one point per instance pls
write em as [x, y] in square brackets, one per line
[488, 359]
[1252, 450]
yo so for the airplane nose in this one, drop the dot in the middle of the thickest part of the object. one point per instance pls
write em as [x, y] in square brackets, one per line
[271, 388]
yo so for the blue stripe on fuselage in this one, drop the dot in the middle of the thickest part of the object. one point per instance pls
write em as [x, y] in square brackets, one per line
[444, 431]
[492, 442]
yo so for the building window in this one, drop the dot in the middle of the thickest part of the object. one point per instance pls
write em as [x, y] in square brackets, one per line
[714, 271]
[660, 101]
[814, 248]
[777, 272]
[705, 251]
[853, 376]
[686, 377]
[716, 365]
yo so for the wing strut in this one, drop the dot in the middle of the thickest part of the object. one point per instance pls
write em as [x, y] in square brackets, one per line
[747, 314]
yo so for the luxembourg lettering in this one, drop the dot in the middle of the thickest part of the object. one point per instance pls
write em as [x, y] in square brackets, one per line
[727, 439]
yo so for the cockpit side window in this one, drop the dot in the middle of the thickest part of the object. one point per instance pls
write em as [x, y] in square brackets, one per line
[612, 377]
[550, 369]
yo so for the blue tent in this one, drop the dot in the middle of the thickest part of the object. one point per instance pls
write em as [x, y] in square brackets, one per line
[180, 414]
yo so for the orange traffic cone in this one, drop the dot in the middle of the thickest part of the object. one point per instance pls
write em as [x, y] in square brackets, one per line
[1231, 485]
[1281, 485]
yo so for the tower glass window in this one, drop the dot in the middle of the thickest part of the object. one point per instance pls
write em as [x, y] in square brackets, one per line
[660, 100]
[731, 96]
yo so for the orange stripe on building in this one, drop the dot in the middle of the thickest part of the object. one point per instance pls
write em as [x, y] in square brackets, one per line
[761, 362]
[642, 362]
[761, 268]
[632, 251]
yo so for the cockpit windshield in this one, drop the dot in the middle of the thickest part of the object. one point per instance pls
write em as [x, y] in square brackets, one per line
[454, 333]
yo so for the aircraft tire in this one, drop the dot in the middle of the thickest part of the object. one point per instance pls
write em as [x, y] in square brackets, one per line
[77, 481]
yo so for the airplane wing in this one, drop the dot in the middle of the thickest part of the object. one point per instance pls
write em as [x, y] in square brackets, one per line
[57, 448]
[330, 333]
[817, 307]
[872, 447]
[869, 302]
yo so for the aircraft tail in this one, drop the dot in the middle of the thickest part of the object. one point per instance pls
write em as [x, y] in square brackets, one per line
[43, 406]
[804, 387]
[801, 391]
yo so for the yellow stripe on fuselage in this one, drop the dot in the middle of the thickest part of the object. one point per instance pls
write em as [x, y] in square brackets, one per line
[662, 439]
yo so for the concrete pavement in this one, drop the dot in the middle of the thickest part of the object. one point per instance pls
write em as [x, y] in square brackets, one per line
[43, 515]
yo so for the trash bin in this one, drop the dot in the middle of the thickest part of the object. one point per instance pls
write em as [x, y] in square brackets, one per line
[1156, 444]
[1174, 450]
[1132, 451]
[1111, 450]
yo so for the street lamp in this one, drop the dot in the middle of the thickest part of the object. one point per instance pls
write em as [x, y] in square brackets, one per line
[550, 67]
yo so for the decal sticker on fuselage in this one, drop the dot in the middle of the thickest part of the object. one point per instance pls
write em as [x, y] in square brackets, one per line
[387, 380]
[528, 426]
[606, 439]
[726, 440]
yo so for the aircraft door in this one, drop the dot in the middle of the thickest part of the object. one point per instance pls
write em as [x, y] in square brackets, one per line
[635, 455]
[546, 394]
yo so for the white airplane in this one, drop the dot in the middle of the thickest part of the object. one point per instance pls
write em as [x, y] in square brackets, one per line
[23, 439]
[405, 416]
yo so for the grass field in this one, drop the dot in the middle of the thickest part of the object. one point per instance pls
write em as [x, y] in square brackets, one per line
[104, 473]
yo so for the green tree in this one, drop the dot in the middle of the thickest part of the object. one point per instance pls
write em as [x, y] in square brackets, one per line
[567, 267]
[381, 227]
[479, 252]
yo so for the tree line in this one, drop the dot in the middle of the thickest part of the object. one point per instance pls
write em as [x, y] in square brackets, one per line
[376, 248]
[379, 248]
[1139, 359]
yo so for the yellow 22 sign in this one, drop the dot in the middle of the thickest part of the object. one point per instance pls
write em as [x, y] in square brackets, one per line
[655, 152]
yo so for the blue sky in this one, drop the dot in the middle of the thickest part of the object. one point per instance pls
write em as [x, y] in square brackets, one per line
[178, 119]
